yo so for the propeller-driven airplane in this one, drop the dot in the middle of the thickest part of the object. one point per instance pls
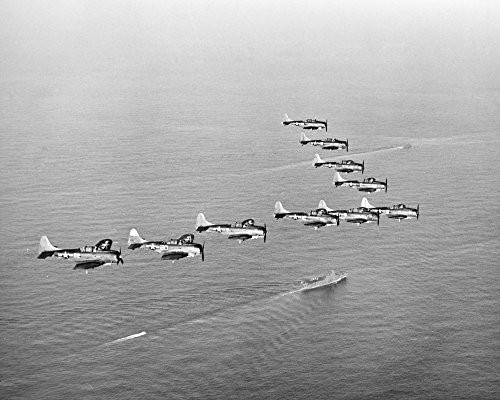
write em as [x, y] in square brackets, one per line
[340, 166]
[239, 231]
[315, 218]
[367, 185]
[86, 257]
[397, 211]
[174, 249]
[326, 144]
[354, 215]
[310, 123]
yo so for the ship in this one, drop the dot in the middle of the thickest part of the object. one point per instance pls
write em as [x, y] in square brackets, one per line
[327, 280]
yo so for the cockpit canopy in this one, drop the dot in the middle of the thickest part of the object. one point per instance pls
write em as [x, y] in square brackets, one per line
[184, 239]
[187, 238]
[370, 180]
[248, 222]
[102, 245]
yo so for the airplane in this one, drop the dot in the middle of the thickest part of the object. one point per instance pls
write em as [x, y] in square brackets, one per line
[239, 231]
[354, 215]
[368, 185]
[174, 249]
[86, 257]
[306, 124]
[326, 144]
[397, 211]
[281, 213]
[315, 218]
[346, 166]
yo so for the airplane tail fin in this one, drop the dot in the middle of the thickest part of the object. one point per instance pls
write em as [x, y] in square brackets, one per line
[201, 221]
[365, 203]
[45, 246]
[134, 238]
[303, 138]
[317, 160]
[338, 178]
[322, 204]
[279, 209]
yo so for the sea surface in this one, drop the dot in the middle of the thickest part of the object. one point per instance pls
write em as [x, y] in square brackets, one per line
[120, 115]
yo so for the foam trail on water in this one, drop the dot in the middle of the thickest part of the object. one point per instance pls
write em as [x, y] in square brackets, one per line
[128, 337]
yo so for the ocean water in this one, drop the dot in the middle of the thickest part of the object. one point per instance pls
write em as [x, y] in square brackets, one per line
[140, 115]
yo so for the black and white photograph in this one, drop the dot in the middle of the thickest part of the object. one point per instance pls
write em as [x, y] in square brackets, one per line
[250, 199]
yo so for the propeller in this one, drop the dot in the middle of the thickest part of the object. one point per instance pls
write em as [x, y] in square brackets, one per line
[347, 145]
[203, 252]
[119, 258]
[326, 125]
[386, 185]
[418, 210]
[363, 167]
[378, 219]
[265, 232]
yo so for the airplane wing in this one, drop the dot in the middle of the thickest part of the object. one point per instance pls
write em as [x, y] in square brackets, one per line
[315, 224]
[174, 255]
[89, 264]
[241, 237]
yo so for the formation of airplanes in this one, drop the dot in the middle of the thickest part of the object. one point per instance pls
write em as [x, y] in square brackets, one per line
[90, 257]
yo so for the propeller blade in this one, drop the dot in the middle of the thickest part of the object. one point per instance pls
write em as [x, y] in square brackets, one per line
[347, 146]
[418, 210]
[203, 252]
[363, 167]
[386, 185]
[378, 219]
[265, 232]
[326, 125]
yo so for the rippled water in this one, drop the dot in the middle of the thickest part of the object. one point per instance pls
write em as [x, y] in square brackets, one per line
[91, 150]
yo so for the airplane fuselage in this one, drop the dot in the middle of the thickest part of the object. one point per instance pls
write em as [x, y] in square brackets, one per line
[340, 166]
[291, 215]
[234, 232]
[364, 186]
[326, 144]
[312, 124]
[400, 214]
[189, 249]
[83, 256]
